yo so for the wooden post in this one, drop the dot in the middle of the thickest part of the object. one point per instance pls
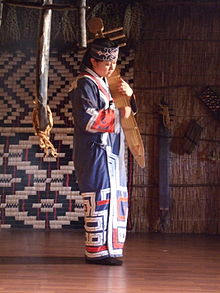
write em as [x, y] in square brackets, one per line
[82, 14]
[43, 65]
[1, 10]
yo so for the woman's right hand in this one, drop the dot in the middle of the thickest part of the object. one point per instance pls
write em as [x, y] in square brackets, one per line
[125, 112]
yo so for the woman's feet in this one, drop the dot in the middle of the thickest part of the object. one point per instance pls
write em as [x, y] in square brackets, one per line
[111, 261]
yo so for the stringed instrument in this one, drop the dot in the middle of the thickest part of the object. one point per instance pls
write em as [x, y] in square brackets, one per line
[129, 125]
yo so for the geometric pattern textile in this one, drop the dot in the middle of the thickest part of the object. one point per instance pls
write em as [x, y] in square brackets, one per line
[38, 192]
[212, 100]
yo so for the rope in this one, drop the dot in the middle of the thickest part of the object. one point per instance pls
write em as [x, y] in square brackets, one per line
[44, 136]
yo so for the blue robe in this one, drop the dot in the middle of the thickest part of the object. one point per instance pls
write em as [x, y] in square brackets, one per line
[100, 167]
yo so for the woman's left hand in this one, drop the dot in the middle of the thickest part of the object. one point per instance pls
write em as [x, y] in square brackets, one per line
[124, 88]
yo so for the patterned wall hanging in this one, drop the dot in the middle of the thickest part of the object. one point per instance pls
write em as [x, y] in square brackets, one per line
[212, 100]
[38, 192]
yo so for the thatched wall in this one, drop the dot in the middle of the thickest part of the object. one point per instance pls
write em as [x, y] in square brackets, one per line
[178, 57]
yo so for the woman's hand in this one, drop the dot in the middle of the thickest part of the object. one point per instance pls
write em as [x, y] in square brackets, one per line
[125, 112]
[124, 88]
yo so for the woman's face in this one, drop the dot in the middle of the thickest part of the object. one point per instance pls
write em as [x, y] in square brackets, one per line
[103, 68]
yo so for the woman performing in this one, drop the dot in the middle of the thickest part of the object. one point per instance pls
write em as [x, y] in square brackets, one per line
[99, 154]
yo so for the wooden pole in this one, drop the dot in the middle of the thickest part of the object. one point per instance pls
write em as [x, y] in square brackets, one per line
[35, 5]
[211, 4]
[1, 10]
[43, 65]
[82, 14]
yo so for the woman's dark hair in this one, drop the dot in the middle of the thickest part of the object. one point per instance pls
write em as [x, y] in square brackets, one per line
[105, 42]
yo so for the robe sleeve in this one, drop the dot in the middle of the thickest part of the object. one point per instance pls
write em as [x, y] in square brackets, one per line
[133, 104]
[88, 109]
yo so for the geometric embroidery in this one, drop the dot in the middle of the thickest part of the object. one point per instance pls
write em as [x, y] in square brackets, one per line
[95, 223]
[38, 192]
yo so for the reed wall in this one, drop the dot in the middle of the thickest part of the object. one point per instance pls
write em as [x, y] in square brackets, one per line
[177, 57]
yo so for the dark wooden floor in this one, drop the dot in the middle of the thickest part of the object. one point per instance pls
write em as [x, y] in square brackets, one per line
[53, 262]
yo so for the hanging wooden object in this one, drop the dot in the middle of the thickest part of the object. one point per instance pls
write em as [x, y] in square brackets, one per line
[129, 125]
[42, 116]
[165, 114]
[192, 136]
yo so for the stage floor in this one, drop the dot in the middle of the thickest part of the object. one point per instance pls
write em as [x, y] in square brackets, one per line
[53, 262]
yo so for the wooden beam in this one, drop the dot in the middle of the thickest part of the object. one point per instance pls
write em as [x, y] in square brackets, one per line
[214, 4]
[1, 10]
[113, 30]
[42, 115]
[43, 65]
[41, 6]
[82, 18]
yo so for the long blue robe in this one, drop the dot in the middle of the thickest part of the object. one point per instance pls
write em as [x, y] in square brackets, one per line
[100, 167]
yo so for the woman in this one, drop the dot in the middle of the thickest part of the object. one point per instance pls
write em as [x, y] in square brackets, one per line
[99, 154]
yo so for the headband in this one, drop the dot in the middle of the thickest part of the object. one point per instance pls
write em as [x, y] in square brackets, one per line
[103, 53]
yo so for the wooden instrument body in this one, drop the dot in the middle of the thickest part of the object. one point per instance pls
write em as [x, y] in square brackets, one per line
[129, 125]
